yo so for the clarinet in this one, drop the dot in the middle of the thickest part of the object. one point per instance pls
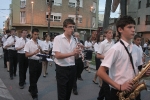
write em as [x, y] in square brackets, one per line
[82, 54]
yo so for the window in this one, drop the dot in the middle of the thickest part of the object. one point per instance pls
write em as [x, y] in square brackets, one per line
[22, 4]
[148, 3]
[47, 14]
[47, 1]
[138, 21]
[93, 8]
[80, 20]
[147, 22]
[139, 6]
[73, 3]
[22, 17]
[55, 2]
[56, 17]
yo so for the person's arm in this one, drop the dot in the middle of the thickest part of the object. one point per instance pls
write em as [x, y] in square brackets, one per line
[100, 51]
[27, 54]
[18, 46]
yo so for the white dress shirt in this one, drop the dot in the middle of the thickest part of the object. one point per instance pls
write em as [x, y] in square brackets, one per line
[118, 62]
[31, 47]
[20, 43]
[104, 47]
[46, 45]
[4, 38]
[96, 47]
[62, 45]
[88, 44]
[11, 40]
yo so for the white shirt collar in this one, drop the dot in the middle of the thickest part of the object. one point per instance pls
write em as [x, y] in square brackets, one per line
[129, 46]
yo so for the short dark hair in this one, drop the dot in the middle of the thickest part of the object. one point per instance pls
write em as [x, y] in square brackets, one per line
[7, 31]
[45, 36]
[68, 21]
[13, 29]
[123, 21]
[23, 30]
[35, 30]
[136, 36]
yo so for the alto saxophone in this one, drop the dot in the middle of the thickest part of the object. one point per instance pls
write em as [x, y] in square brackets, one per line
[137, 86]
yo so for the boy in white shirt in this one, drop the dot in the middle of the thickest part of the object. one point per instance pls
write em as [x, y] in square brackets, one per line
[65, 49]
[121, 69]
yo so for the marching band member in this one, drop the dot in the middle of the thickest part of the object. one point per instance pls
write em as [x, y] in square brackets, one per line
[118, 59]
[31, 49]
[22, 59]
[12, 52]
[65, 50]
[102, 51]
[5, 50]
[46, 49]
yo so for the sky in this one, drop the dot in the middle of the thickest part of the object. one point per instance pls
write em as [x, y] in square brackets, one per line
[5, 13]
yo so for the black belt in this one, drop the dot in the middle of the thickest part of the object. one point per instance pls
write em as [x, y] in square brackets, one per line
[66, 67]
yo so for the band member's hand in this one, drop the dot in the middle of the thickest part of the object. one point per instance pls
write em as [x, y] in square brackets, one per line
[76, 51]
[148, 72]
[127, 86]
[37, 51]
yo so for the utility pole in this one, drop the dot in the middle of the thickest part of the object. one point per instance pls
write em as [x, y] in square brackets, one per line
[77, 13]
[49, 16]
[123, 7]
[107, 14]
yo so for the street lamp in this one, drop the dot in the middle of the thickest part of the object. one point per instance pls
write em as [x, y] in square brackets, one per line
[32, 16]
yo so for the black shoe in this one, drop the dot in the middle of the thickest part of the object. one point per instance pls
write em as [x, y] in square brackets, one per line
[7, 70]
[44, 75]
[95, 82]
[11, 78]
[5, 67]
[75, 92]
[21, 87]
[85, 67]
[80, 79]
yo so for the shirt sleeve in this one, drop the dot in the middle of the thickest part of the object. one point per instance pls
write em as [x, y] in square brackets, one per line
[26, 48]
[56, 44]
[110, 57]
[85, 44]
[101, 48]
[139, 61]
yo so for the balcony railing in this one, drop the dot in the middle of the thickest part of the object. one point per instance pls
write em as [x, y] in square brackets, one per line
[22, 4]
[147, 22]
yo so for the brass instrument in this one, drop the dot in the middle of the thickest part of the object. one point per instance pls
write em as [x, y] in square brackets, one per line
[138, 87]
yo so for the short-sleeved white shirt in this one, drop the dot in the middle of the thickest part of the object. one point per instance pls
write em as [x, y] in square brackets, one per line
[46, 45]
[21, 42]
[88, 44]
[31, 47]
[62, 45]
[118, 62]
[96, 47]
[105, 46]
[9, 41]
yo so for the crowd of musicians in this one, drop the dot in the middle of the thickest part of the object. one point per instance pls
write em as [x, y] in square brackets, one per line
[71, 56]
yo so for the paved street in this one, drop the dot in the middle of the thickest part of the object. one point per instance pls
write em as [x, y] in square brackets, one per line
[9, 89]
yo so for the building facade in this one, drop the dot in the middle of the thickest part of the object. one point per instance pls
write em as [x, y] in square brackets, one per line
[140, 11]
[25, 15]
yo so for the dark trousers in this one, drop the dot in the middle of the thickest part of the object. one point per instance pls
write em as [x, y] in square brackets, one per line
[23, 65]
[5, 57]
[35, 69]
[65, 78]
[13, 62]
[79, 68]
[113, 95]
[104, 92]
[98, 62]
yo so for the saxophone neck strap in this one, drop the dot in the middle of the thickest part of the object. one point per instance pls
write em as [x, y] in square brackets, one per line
[130, 56]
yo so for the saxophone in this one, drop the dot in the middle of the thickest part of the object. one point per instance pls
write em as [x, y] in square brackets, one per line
[137, 86]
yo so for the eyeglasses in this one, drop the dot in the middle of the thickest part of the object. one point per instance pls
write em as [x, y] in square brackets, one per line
[71, 27]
